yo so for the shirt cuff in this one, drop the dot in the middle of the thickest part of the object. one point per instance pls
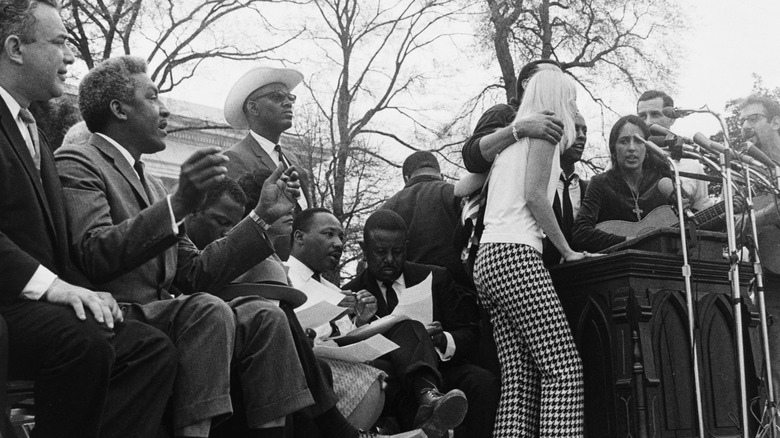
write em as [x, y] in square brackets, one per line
[39, 283]
[449, 351]
[174, 225]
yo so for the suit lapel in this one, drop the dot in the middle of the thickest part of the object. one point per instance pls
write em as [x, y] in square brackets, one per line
[369, 282]
[259, 152]
[15, 139]
[121, 164]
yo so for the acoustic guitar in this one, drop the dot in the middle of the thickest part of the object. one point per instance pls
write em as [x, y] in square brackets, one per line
[664, 216]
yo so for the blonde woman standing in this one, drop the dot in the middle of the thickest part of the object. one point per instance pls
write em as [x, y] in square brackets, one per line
[541, 372]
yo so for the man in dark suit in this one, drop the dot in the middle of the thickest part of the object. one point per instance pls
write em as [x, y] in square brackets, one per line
[455, 316]
[431, 211]
[570, 191]
[126, 232]
[261, 101]
[95, 375]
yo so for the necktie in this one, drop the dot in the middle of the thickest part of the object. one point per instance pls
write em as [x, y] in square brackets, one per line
[139, 168]
[32, 129]
[278, 150]
[390, 296]
[568, 212]
[317, 277]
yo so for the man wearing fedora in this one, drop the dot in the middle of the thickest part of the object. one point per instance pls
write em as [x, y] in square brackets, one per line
[261, 101]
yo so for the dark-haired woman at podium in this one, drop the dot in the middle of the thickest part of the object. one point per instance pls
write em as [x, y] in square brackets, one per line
[628, 191]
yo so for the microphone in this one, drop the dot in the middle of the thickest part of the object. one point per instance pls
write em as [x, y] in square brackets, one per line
[717, 148]
[659, 130]
[666, 187]
[678, 113]
[652, 147]
[752, 150]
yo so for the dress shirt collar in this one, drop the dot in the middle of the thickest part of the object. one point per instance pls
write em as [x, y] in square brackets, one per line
[267, 145]
[122, 151]
[399, 284]
[575, 177]
[10, 102]
[299, 269]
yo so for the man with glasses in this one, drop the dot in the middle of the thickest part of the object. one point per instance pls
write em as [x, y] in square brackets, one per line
[261, 102]
[759, 119]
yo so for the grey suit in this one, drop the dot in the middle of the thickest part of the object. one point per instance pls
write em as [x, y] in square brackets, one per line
[247, 156]
[123, 240]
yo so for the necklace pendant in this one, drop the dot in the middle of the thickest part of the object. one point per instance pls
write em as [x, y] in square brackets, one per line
[638, 211]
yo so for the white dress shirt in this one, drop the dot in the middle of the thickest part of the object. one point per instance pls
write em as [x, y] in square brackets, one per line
[269, 146]
[301, 279]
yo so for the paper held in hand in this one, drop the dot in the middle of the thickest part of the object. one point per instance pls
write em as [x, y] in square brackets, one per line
[320, 307]
[363, 351]
[417, 302]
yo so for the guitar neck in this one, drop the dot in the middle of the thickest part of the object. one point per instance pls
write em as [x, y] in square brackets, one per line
[709, 214]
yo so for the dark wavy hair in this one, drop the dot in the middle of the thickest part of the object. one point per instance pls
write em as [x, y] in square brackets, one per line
[111, 79]
[651, 161]
[16, 18]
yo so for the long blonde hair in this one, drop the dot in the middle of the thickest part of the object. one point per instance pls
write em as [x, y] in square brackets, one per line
[551, 90]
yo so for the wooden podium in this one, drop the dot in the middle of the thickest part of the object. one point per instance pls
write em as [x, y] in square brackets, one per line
[628, 315]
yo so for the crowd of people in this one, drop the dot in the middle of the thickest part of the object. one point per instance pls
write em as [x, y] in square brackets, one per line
[119, 297]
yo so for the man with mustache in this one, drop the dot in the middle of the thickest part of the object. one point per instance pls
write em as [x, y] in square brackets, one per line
[127, 234]
[413, 393]
[262, 102]
[570, 191]
[455, 315]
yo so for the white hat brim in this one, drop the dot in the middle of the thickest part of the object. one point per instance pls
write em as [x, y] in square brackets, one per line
[251, 81]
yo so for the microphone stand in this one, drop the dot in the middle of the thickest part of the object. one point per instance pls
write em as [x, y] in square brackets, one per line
[758, 272]
[686, 273]
[736, 296]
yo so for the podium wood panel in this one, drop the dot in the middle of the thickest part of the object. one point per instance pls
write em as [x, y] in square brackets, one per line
[628, 315]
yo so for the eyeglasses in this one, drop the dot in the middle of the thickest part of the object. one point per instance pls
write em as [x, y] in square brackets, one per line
[278, 96]
[752, 119]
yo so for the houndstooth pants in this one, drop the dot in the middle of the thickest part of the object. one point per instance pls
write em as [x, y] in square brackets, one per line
[541, 372]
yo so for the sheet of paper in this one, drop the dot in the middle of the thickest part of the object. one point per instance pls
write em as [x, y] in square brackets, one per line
[318, 314]
[417, 302]
[316, 292]
[363, 351]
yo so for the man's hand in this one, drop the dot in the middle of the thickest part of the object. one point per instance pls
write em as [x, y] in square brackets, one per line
[202, 171]
[543, 125]
[101, 304]
[365, 307]
[437, 335]
[278, 194]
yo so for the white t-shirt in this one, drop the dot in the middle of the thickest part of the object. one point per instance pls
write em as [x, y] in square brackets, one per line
[507, 217]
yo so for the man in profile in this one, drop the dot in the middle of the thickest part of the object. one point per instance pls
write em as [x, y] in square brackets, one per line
[95, 375]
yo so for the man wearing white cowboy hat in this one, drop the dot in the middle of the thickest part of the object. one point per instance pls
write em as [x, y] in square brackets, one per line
[261, 101]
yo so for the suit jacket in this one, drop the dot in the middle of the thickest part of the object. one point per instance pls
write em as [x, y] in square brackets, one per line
[123, 239]
[431, 211]
[452, 306]
[247, 156]
[33, 228]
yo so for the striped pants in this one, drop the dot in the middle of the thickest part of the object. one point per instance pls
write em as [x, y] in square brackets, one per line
[541, 372]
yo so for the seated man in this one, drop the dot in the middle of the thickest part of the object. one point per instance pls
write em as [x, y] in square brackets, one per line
[454, 330]
[413, 386]
[125, 233]
[95, 374]
[223, 209]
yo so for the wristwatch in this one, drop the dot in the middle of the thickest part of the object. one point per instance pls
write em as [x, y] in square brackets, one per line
[259, 221]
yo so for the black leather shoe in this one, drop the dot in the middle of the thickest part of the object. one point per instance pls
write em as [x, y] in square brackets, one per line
[438, 413]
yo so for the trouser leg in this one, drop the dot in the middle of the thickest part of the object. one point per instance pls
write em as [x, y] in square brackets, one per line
[482, 389]
[534, 343]
[266, 362]
[202, 327]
